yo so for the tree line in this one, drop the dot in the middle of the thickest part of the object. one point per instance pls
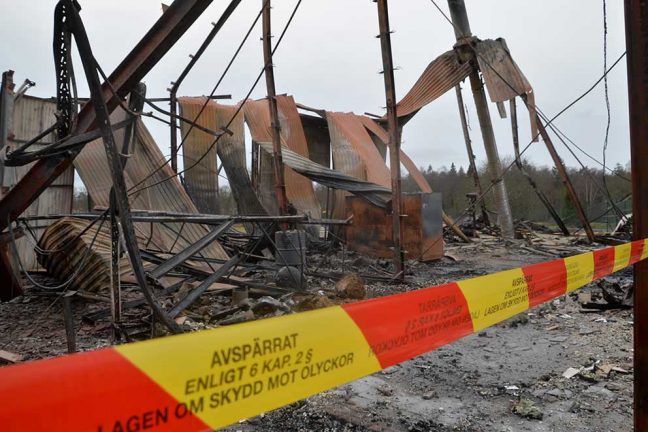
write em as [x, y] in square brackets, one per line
[594, 191]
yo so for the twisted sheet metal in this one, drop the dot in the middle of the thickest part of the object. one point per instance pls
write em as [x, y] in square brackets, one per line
[354, 153]
[168, 195]
[299, 189]
[230, 148]
[374, 193]
[504, 79]
[31, 116]
[201, 179]
[441, 75]
[75, 251]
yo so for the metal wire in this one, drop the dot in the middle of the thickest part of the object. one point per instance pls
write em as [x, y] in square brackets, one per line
[65, 284]
[239, 108]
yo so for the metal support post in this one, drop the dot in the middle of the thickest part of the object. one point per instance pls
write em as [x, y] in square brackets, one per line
[518, 162]
[6, 117]
[394, 136]
[277, 160]
[564, 177]
[173, 109]
[464, 35]
[471, 154]
[636, 12]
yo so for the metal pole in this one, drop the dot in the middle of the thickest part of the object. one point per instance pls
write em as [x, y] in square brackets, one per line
[173, 109]
[636, 12]
[394, 135]
[471, 154]
[6, 117]
[277, 160]
[518, 162]
[564, 177]
[464, 36]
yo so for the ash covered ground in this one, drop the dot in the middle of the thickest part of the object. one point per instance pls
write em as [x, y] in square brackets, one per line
[509, 377]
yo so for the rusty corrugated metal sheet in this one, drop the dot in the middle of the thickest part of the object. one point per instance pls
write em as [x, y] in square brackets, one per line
[230, 148]
[441, 75]
[89, 254]
[354, 153]
[199, 150]
[504, 79]
[349, 127]
[168, 195]
[376, 194]
[31, 116]
[409, 165]
[257, 117]
[299, 190]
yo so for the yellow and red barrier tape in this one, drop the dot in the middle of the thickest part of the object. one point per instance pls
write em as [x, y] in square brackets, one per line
[209, 379]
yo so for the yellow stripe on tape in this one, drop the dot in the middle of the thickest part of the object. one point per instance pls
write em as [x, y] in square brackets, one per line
[580, 270]
[644, 253]
[495, 297]
[232, 373]
[622, 256]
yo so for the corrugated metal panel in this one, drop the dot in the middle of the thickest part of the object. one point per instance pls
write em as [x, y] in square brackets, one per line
[376, 194]
[349, 127]
[409, 165]
[169, 195]
[504, 79]
[354, 153]
[31, 116]
[230, 149]
[299, 190]
[85, 258]
[199, 151]
[441, 75]
[257, 117]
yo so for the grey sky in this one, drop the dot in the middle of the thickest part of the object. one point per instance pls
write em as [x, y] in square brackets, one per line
[330, 59]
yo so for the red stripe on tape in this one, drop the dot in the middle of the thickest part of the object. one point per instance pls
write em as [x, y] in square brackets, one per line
[97, 391]
[545, 281]
[405, 325]
[636, 250]
[603, 262]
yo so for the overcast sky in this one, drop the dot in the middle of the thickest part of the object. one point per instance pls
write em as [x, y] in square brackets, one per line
[330, 59]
